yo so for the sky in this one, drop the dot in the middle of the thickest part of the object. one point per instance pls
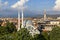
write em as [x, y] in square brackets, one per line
[31, 5]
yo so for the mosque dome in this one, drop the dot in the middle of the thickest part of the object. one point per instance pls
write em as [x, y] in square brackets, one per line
[27, 22]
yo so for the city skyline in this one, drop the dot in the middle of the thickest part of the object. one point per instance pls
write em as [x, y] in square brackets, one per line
[29, 19]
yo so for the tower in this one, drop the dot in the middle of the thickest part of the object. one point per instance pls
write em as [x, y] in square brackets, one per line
[44, 14]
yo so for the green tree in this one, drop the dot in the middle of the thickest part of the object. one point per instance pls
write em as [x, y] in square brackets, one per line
[6, 33]
[10, 27]
[55, 34]
[23, 34]
[39, 37]
[45, 34]
[2, 30]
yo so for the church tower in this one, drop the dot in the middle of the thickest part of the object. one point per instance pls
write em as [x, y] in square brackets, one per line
[44, 14]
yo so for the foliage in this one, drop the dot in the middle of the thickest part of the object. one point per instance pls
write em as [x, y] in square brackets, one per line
[3, 31]
[39, 37]
[7, 31]
[45, 34]
[55, 34]
[23, 34]
[10, 27]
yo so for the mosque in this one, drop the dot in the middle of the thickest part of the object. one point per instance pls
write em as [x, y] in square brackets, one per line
[29, 25]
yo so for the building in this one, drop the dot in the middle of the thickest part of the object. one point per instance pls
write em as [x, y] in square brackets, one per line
[58, 17]
[30, 27]
[48, 25]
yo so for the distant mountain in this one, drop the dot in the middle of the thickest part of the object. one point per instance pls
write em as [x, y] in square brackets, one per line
[28, 13]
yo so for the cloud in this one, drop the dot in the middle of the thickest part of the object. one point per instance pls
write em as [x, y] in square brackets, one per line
[6, 3]
[0, 3]
[3, 5]
[19, 3]
[57, 5]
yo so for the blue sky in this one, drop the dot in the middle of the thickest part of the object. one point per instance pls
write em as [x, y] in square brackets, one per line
[35, 4]
[34, 7]
[41, 4]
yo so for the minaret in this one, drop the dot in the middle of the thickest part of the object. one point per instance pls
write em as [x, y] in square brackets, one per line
[22, 19]
[18, 20]
[44, 14]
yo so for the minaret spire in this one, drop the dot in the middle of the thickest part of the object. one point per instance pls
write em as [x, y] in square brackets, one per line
[18, 20]
[22, 18]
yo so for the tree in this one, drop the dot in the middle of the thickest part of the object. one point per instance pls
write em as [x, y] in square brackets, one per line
[10, 27]
[55, 34]
[2, 30]
[23, 34]
[45, 34]
[6, 33]
[39, 37]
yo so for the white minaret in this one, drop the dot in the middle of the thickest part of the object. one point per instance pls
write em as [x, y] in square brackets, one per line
[22, 18]
[18, 20]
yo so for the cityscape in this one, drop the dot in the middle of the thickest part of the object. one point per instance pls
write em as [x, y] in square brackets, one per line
[29, 20]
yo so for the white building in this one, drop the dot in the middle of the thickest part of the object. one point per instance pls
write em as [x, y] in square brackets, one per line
[29, 25]
[54, 22]
[58, 17]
